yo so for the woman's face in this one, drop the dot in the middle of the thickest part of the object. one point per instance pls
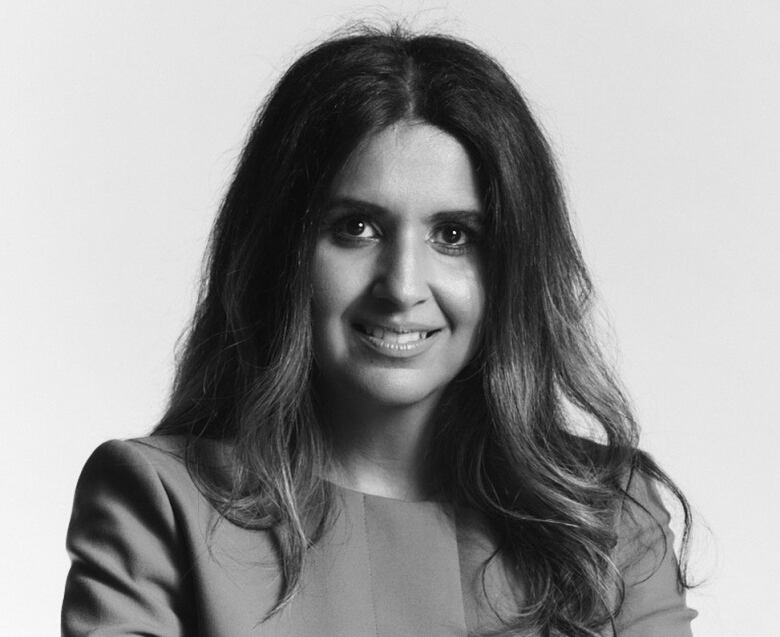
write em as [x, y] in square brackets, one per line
[398, 295]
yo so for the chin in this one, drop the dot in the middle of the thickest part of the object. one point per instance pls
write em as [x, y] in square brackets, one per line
[396, 389]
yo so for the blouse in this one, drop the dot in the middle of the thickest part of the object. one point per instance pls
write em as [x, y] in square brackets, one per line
[151, 556]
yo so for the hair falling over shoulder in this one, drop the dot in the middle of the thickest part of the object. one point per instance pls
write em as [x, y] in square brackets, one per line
[506, 445]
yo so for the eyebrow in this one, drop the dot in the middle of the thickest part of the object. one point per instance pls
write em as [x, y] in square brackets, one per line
[467, 215]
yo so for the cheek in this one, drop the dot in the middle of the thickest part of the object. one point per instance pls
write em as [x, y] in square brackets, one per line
[322, 282]
[464, 299]
[334, 288]
[326, 308]
[472, 305]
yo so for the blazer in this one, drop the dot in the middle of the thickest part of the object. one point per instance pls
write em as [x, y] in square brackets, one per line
[151, 556]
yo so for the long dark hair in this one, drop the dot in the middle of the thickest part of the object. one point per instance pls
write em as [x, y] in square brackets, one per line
[507, 445]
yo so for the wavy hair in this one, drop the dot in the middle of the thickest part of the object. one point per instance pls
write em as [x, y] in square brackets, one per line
[507, 445]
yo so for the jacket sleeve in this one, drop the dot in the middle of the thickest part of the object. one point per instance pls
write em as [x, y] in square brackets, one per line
[654, 605]
[127, 572]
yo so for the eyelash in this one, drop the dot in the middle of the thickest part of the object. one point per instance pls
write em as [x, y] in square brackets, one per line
[471, 235]
[339, 226]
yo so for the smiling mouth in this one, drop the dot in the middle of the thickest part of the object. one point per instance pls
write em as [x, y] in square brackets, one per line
[395, 338]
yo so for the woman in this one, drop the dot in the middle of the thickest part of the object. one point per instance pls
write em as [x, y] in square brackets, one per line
[389, 417]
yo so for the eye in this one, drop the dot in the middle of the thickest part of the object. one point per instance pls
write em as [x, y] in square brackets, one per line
[453, 238]
[354, 227]
[452, 235]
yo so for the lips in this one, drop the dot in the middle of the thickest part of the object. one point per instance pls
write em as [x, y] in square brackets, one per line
[405, 338]
[391, 335]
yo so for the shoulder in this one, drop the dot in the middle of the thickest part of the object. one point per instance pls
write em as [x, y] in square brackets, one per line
[642, 522]
[128, 482]
[624, 470]
[135, 511]
[654, 598]
[168, 457]
[136, 503]
[153, 452]
[148, 478]
[643, 525]
[131, 465]
[159, 451]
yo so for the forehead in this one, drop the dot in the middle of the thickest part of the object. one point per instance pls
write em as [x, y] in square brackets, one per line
[410, 164]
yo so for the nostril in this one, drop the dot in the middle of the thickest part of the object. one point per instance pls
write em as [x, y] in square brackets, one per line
[399, 296]
[401, 289]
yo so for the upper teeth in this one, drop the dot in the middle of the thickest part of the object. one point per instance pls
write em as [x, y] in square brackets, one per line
[393, 336]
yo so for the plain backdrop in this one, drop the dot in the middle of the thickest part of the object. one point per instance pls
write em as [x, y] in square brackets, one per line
[120, 124]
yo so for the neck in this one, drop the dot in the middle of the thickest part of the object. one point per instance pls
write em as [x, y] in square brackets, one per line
[382, 451]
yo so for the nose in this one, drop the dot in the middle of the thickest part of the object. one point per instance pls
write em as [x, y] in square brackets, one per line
[402, 277]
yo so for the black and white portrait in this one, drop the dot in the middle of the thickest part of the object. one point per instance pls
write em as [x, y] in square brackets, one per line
[419, 319]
